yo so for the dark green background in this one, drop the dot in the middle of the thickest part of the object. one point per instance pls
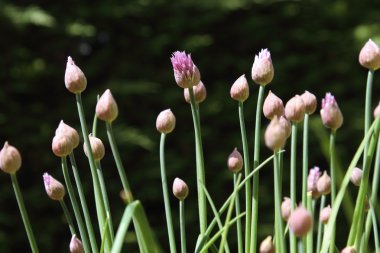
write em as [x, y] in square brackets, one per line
[126, 46]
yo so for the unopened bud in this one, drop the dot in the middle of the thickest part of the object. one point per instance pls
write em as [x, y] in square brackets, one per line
[325, 214]
[312, 181]
[369, 56]
[273, 106]
[180, 189]
[10, 159]
[356, 176]
[76, 245]
[376, 111]
[262, 69]
[200, 93]
[54, 189]
[295, 109]
[284, 122]
[349, 249]
[97, 147]
[240, 89]
[324, 184]
[186, 73]
[300, 221]
[275, 135]
[106, 108]
[75, 80]
[235, 161]
[70, 132]
[286, 208]
[62, 145]
[330, 113]
[165, 122]
[310, 102]
[267, 245]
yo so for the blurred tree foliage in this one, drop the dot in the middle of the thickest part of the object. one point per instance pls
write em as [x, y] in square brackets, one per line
[125, 46]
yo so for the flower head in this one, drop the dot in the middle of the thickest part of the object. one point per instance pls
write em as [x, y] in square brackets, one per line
[97, 147]
[310, 102]
[300, 221]
[325, 214]
[62, 145]
[186, 74]
[75, 80]
[76, 245]
[324, 184]
[286, 208]
[165, 122]
[295, 109]
[275, 135]
[10, 159]
[369, 56]
[240, 89]
[106, 108]
[349, 249]
[54, 189]
[273, 106]
[262, 69]
[330, 113]
[200, 93]
[235, 161]
[356, 176]
[267, 246]
[180, 189]
[312, 181]
[70, 132]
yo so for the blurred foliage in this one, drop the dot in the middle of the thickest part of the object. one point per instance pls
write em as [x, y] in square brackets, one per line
[125, 46]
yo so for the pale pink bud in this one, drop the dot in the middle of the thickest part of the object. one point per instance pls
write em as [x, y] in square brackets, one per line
[180, 189]
[106, 108]
[165, 122]
[76, 245]
[300, 221]
[75, 80]
[369, 56]
[262, 69]
[200, 93]
[349, 249]
[240, 89]
[275, 135]
[70, 132]
[62, 145]
[284, 122]
[295, 109]
[286, 208]
[356, 176]
[376, 111]
[235, 161]
[310, 102]
[186, 74]
[312, 181]
[54, 189]
[97, 147]
[324, 184]
[267, 246]
[10, 159]
[330, 113]
[325, 214]
[273, 106]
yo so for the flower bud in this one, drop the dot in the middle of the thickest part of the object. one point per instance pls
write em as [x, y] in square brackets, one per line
[300, 221]
[369, 56]
[330, 113]
[186, 74]
[356, 176]
[312, 180]
[295, 109]
[54, 189]
[267, 245]
[97, 147]
[376, 111]
[284, 122]
[76, 245]
[180, 189]
[324, 184]
[272, 106]
[349, 249]
[310, 102]
[235, 161]
[75, 80]
[165, 122]
[325, 214]
[275, 135]
[106, 108]
[70, 132]
[262, 69]
[62, 145]
[286, 208]
[200, 93]
[10, 159]
[240, 89]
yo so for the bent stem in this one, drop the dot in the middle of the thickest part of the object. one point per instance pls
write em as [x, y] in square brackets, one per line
[24, 214]
[182, 225]
[292, 238]
[68, 217]
[333, 183]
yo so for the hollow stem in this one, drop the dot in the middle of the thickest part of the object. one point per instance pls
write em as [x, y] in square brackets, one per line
[182, 225]
[238, 223]
[320, 225]
[68, 217]
[305, 158]
[279, 226]
[333, 183]
[309, 237]
[292, 238]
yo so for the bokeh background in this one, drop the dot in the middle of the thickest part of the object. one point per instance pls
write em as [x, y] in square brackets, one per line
[125, 46]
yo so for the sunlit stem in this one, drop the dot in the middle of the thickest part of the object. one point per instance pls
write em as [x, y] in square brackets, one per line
[238, 223]
[292, 237]
[68, 217]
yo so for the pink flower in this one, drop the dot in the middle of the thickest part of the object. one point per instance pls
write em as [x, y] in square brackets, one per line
[186, 74]
[330, 113]
[262, 69]
[312, 180]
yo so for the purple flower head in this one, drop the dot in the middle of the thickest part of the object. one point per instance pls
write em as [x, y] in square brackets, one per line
[264, 54]
[329, 100]
[312, 180]
[262, 69]
[186, 74]
[330, 113]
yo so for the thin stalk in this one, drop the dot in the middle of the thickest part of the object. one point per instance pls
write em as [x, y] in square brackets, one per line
[74, 203]
[292, 237]
[202, 204]
[118, 162]
[95, 121]
[165, 191]
[68, 217]
[309, 237]
[375, 230]
[247, 170]
[182, 225]
[24, 214]
[256, 161]
[279, 226]
[82, 198]
[320, 225]
[238, 223]
[333, 183]
[305, 158]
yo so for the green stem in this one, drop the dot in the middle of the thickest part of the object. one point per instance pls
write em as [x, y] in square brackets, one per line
[256, 161]
[279, 226]
[320, 225]
[368, 100]
[182, 225]
[68, 217]
[333, 183]
[95, 121]
[24, 214]
[118, 162]
[309, 237]
[199, 164]
[168, 213]
[292, 238]
[238, 223]
[247, 170]
[305, 158]
[74, 203]
[83, 202]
